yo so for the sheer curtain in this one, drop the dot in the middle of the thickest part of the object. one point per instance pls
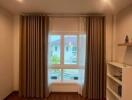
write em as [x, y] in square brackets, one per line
[71, 26]
[82, 52]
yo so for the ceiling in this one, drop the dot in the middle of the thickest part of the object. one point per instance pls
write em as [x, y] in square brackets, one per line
[64, 6]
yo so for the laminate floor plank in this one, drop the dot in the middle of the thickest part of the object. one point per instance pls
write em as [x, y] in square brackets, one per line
[52, 96]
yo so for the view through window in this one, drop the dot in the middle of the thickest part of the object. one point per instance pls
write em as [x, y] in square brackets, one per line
[63, 58]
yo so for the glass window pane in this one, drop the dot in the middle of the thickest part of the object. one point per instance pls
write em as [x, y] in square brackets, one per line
[54, 49]
[70, 49]
[54, 74]
[71, 74]
[82, 50]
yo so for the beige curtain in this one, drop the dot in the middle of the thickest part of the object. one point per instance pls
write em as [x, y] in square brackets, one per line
[95, 73]
[33, 56]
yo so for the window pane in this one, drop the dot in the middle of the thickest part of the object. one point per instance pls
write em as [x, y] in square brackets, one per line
[70, 49]
[71, 74]
[54, 49]
[54, 74]
[82, 50]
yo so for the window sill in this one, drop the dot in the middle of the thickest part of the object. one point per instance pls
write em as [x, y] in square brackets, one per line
[66, 86]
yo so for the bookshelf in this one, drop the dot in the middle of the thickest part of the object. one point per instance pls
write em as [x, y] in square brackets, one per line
[119, 81]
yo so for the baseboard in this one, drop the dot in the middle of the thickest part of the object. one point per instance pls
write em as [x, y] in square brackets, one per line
[12, 93]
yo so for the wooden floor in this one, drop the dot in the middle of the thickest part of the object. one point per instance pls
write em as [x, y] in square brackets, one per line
[53, 96]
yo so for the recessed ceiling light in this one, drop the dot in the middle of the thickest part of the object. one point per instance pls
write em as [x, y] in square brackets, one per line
[20, 0]
[107, 1]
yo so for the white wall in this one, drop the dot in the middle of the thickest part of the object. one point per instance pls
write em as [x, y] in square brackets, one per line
[6, 53]
[124, 27]
[109, 37]
[16, 52]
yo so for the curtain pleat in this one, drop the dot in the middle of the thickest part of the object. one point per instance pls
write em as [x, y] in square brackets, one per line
[33, 57]
[95, 72]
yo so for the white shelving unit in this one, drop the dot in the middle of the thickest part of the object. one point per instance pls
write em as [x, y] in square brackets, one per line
[115, 79]
[119, 81]
[114, 93]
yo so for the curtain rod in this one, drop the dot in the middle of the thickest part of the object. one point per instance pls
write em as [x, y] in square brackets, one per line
[64, 15]
[74, 15]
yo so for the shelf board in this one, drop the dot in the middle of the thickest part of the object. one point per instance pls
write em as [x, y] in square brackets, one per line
[115, 79]
[125, 44]
[116, 64]
[114, 93]
[119, 65]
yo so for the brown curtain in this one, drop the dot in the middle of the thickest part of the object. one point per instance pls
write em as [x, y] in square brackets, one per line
[33, 56]
[95, 73]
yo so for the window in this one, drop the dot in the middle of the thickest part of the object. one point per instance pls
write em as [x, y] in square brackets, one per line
[64, 58]
[56, 48]
[66, 49]
[71, 74]
[54, 45]
[70, 56]
[54, 74]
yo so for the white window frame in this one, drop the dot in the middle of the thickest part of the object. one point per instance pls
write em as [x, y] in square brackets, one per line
[63, 66]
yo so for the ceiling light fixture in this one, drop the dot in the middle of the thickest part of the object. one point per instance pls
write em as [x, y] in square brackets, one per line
[107, 1]
[20, 0]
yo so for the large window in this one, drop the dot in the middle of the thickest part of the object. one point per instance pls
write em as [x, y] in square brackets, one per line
[64, 58]
[66, 49]
[54, 49]
[71, 74]
[70, 49]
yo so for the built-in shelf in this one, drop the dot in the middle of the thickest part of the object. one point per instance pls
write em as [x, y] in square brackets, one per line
[125, 44]
[116, 64]
[115, 79]
[114, 93]
[119, 65]
[119, 81]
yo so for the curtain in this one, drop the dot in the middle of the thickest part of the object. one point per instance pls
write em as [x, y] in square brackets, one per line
[33, 56]
[95, 70]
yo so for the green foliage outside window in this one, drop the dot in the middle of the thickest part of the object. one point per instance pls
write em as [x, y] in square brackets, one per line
[55, 59]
